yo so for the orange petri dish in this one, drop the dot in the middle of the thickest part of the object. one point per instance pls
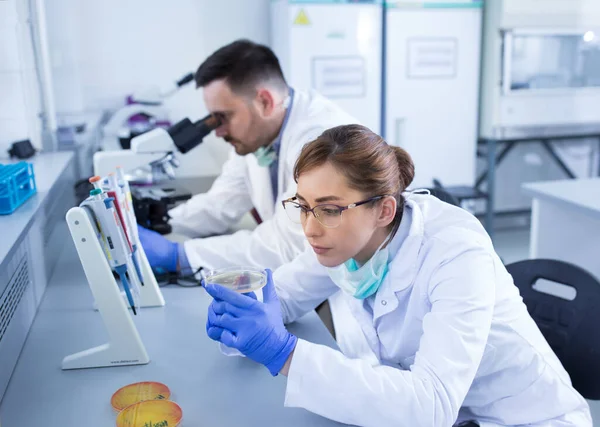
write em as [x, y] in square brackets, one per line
[150, 413]
[139, 392]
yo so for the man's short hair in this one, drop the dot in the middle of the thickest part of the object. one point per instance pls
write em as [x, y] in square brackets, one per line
[243, 64]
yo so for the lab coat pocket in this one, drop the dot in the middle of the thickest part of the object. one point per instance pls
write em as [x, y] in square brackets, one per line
[408, 362]
[488, 360]
[482, 390]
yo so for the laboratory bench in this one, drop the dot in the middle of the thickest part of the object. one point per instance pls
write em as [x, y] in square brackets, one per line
[565, 222]
[211, 388]
[54, 180]
[510, 137]
[31, 239]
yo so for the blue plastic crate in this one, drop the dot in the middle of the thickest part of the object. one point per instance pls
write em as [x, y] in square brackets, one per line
[17, 184]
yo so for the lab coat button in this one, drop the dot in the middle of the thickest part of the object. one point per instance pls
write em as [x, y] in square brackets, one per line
[383, 302]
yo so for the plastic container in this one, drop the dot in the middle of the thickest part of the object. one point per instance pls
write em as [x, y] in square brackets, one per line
[239, 279]
[17, 184]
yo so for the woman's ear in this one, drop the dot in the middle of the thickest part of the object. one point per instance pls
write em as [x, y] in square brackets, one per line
[388, 211]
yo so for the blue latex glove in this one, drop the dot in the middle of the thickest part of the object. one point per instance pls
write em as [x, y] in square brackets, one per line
[254, 328]
[161, 252]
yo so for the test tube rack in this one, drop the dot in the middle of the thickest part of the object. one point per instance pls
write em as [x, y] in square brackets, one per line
[125, 346]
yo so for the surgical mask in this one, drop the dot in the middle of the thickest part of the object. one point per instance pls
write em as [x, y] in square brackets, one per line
[362, 282]
[265, 156]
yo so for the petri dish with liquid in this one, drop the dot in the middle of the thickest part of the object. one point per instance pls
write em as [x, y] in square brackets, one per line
[238, 279]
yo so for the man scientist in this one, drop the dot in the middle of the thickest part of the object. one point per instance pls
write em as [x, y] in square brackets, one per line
[267, 122]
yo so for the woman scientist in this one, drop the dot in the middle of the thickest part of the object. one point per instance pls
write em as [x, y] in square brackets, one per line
[450, 339]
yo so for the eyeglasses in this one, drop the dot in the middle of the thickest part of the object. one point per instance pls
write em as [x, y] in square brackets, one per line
[328, 215]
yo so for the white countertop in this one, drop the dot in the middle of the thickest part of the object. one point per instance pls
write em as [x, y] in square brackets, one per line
[582, 194]
[211, 388]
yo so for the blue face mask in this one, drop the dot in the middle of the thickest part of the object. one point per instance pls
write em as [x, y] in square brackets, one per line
[265, 156]
[361, 282]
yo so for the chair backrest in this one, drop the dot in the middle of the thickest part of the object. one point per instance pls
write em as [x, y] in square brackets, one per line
[444, 196]
[572, 328]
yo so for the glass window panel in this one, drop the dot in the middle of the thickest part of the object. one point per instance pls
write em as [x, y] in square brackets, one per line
[558, 61]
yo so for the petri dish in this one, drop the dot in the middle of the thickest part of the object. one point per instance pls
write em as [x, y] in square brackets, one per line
[239, 279]
[160, 413]
[139, 392]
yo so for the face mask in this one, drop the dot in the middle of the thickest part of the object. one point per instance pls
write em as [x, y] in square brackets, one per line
[361, 282]
[265, 156]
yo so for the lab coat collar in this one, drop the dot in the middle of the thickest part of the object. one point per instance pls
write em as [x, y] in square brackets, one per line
[288, 104]
[402, 269]
[402, 265]
[280, 148]
[405, 247]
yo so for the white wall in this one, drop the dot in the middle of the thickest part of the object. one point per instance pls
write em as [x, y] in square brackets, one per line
[102, 51]
[19, 95]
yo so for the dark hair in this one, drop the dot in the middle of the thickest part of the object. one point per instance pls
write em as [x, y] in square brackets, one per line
[369, 164]
[242, 64]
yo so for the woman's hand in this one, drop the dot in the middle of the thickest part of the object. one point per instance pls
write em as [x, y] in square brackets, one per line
[254, 328]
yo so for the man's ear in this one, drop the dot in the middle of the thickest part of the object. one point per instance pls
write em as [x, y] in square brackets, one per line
[265, 102]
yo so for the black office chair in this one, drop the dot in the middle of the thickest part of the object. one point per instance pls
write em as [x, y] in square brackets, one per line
[444, 196]
[572, 328]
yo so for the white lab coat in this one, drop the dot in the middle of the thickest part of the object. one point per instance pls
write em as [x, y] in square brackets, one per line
[242, 185]
[445, 339]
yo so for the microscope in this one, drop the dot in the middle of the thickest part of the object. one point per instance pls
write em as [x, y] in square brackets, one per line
[150, 165]
[143, 110]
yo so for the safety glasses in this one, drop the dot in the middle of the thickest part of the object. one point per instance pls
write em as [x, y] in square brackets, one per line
[328, 215]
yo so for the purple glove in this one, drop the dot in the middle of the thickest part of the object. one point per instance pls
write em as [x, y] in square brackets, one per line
[254, 328]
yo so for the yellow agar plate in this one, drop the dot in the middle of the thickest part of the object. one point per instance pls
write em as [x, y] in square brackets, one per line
[139, 392]
[151, 413]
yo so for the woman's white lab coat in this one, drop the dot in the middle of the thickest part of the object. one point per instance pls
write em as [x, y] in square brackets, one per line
[445, 339]
[242, 185]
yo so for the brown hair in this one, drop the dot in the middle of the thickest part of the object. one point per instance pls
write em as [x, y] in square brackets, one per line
[369, 164]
